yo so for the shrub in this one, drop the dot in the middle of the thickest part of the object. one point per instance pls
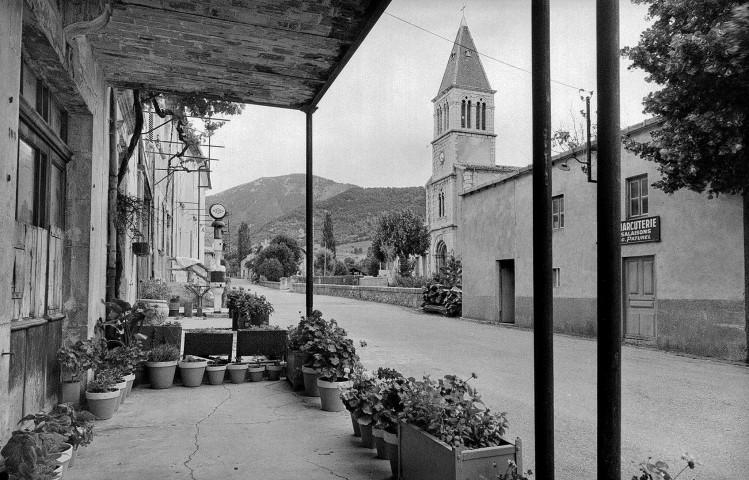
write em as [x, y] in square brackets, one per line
[452, 410]
[154, 289]
[271, 269]
[78, 358]
[411, 282]
[163, 353]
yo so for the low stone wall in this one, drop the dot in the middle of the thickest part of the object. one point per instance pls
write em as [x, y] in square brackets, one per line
[276, 285]
[373, 281]
[407, 297]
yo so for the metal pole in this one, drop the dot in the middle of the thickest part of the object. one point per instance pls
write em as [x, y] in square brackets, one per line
[543, 321]
[587, 141]
[609, 246]
[309, 206]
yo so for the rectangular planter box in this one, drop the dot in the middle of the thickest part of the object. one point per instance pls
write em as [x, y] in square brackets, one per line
[424, 457]
[294, 363]
[159, 334]
[204, 344]
[271, 343]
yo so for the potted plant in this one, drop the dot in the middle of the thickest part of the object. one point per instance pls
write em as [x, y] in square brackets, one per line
[174, 306]
[253, 310]
[333, 357]
[192, 369]
[256, 372]
[232, 303]
[102, 396]
[237, 370]
[119, 383]
[74, 425]
[306, 332]
[445, 423]
[274, 371]
[216, 372]
[153, 297]
[391, 387]
[162, 363]
[75, 361]
[33, 455]
[125, 359]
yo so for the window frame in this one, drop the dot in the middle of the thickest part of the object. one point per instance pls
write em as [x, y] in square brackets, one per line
[49, 152]
[640, 180]
[559, 201]
[556, 276]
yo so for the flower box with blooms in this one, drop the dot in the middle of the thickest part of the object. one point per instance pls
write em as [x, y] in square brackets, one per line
[447, 433]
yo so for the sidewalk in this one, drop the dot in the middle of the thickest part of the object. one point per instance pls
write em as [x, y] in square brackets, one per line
[247, 431]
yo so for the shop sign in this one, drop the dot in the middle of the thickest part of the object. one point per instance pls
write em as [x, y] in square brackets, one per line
[641, 230]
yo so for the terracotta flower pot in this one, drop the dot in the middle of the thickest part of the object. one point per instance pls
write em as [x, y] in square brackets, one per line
[102, 405]
[379, 440]
[274, 371]
[355, 424]
[310, 382]
[367, 439]
[192, 373]
[216, 374]
[161, 374]
[129, 379]
[391, 440]
[237, 372]
[256, 373]
[121, 387]
[330, 394]
[66, 454]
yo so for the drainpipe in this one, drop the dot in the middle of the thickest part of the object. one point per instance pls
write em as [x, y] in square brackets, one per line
[609, 241]
[112, 197]
[309, 215]
[543, 321]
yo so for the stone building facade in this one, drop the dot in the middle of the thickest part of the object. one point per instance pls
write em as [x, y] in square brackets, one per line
[463, 148]
[682, 257]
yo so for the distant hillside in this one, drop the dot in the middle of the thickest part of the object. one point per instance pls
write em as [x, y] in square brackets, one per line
[354, 213]
[265, 199]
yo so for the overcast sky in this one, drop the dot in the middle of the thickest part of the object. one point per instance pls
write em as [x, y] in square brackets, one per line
[373, 128]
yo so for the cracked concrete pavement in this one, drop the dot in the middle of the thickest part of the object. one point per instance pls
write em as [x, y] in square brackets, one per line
[248, 431]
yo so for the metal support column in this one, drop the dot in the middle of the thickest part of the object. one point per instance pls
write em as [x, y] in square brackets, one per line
[543, 321]
[309, 214]
[609, 246]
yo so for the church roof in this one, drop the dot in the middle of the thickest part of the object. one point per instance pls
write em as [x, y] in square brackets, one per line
[493, 168]
[464, 67]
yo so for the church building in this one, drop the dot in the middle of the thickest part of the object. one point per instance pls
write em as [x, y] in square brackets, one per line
[463, 149]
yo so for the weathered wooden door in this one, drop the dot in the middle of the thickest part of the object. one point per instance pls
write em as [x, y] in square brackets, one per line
[640, 298]
[506, 291]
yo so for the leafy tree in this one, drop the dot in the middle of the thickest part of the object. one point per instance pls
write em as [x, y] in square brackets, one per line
[401, 234]
[291, 244]
[324, 262]
[243, 240]
[697, 53]
[328, 240]
[280, 252]
[271, 269]
[340, 268]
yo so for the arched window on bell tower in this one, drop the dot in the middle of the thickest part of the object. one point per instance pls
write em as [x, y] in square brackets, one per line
[447, 116]
[483, 116]
[468, 114]
[478, 115]
[463, 114]
[439, 120]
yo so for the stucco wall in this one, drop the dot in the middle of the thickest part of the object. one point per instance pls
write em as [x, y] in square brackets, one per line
[698, 262]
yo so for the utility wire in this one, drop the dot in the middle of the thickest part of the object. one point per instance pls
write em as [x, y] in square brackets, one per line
[479, 53]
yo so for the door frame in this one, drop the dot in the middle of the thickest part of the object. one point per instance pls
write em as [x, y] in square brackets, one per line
[625, 305]
[499, 291]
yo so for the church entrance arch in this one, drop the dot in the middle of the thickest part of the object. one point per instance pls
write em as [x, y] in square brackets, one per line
[441, 255]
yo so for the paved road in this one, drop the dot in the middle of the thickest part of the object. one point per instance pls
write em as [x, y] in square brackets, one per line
[670, 404]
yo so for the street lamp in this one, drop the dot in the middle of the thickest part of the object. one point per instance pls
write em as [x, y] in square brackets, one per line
[585, 166]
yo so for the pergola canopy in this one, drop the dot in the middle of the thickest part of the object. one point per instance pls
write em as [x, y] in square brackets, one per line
[280, 53]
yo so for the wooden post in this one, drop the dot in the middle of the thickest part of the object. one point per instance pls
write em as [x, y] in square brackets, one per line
[543, 321]
[609, 241]
[309, 210]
